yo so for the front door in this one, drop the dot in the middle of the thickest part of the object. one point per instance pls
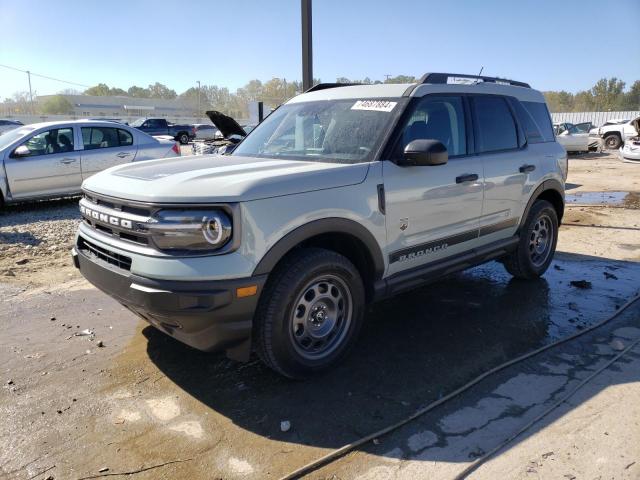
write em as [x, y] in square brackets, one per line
[432, 212]
[52, 166]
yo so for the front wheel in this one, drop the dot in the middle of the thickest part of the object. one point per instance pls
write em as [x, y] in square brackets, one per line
[538, 239]
[310, 313]
[183, 138]
[612, 142]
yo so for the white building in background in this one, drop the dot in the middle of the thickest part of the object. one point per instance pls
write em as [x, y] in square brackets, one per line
[126, 107]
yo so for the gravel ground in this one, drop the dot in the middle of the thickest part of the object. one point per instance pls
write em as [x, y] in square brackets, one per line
[37, 235]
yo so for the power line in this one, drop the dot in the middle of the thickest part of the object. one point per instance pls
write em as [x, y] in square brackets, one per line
[45, 76]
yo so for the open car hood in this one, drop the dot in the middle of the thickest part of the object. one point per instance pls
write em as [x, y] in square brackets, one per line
[227, 125]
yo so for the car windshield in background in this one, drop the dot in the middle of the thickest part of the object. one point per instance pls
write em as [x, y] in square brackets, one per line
[339, 131]
[137, 123]
[12, 135]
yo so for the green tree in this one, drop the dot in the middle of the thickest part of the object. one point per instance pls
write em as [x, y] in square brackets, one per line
[56, 104]
[100, 90]
[632, 97]
[158, 90]
[608, 94]
[138, 92]
[583, 102]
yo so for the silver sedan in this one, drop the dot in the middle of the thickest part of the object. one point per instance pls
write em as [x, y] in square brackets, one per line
[45, 160]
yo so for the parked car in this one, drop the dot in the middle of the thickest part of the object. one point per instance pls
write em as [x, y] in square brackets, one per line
[6, 125]
[230, 133]
[342, 196]
[52, 159]
[206, 131]
[572, 139]
[159, 126]
[631, 149]
[616, 132]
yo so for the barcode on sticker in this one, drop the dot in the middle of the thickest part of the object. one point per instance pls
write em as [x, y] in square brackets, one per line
[463, 80]
[376, 105]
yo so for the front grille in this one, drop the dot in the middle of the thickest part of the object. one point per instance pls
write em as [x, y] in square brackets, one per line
[112, 258]
[110, 209]
[118, 205]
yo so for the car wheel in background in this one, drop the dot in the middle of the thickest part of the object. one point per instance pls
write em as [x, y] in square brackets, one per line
[612, 142]
[310, 313]
[538, 239]
[183, 138]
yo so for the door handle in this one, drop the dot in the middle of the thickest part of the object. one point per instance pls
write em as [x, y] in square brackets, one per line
[66, 161]
[469, 177]
[123, 154]
[527, 168]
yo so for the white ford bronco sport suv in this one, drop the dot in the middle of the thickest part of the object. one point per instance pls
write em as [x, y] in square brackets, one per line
[344, 195]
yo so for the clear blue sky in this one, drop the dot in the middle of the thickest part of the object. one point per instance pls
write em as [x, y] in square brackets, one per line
[552, 45]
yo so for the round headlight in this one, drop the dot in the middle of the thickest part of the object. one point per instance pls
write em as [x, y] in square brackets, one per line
[216, 229]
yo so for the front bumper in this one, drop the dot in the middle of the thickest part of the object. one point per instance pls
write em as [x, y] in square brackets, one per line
[207, 315]
[626, 154]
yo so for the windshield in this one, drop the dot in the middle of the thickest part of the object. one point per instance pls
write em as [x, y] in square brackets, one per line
[12, 135]
[138, 122]
[342, 131]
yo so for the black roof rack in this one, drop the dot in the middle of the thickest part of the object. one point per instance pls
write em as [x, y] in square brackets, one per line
[324, 86]
[461, 77]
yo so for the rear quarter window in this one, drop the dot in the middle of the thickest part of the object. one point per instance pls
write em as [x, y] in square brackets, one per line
[540, 114]
[527, 122]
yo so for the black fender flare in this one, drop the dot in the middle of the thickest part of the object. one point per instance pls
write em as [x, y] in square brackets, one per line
[551, 184]
[320, 227]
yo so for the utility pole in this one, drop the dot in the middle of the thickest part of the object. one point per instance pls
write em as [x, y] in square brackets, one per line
[307, 50]
[33, 112]
[198, 99]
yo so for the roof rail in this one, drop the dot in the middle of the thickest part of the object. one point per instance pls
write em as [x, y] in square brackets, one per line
[324, 86]
[461, 78]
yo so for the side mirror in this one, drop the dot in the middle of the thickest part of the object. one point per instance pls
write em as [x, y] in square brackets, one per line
[21, 151]
[423, 153]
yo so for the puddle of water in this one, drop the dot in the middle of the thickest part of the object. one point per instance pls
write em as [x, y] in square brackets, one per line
[616, 198]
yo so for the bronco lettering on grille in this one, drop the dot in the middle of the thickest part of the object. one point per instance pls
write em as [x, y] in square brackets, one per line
[104, 218]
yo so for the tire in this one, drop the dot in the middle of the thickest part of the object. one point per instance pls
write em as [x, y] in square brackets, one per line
[537, 245]
[310, 313]
[183, 138]
[612, 142]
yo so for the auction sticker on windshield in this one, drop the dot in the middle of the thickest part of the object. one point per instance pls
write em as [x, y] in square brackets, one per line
[375, 105]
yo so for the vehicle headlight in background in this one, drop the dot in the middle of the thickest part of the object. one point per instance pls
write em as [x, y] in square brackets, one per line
[190, 229]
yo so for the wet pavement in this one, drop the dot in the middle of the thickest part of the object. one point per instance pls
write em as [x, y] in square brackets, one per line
[616, 199]
[145, 399]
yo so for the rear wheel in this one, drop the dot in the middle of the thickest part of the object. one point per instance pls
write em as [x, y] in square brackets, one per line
[612, 142]
[310, 313]
[183, 138]
[538, 239]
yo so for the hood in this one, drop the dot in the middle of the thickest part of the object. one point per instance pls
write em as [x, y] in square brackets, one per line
[227, 125]
[212, 179]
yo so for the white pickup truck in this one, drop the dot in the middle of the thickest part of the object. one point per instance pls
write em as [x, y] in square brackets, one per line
[615, 134]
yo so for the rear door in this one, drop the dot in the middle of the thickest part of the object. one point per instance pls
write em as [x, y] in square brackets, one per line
[105, 147]
[51, 168]
[508, 165]
[433, 212]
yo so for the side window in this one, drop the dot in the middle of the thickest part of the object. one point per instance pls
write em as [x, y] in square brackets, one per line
[495, 127]
[572, 129]
[59, 140]
[531, 130]
[99, 137]
[125, 138]
[540, 115]
[439, 118]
